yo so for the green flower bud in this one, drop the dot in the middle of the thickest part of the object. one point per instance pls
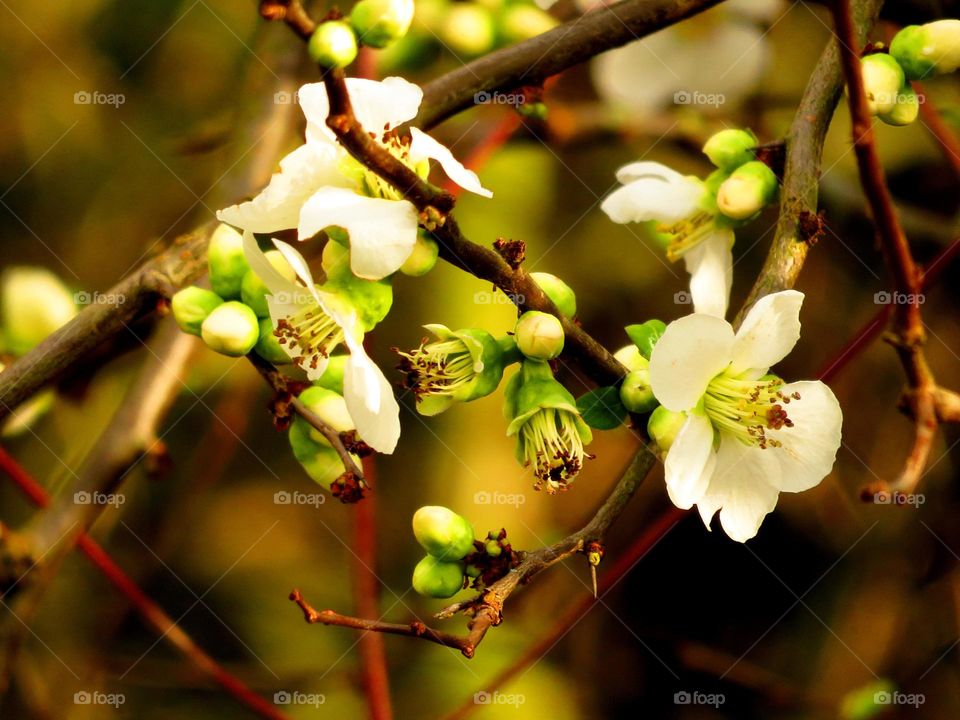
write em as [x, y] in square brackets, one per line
[333, 44]
[33, 304]
[558, 291]
[437, 579]
[664, 425]
[747, 191]
[443, 533]
[332, 377]
[636, 393]
[630, 357]
[472, 571]
[330, 407]
[372, 299]
[268, 345]
[645, 336]
[321, 462]
[459, 367]
[924, 50]
[423, 258]
[534, 110]
[492, 548]
[379, 23]
[231, 329]
[468, 29]
[906, 110]
[731, 148]
[882, 79]
[539, 335]
[521, 22]
[227, 262]
[254, 293]
[191, 306]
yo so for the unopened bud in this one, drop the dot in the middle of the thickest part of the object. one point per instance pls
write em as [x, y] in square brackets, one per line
[423, 258]
[731, 148]
[664, 425]
[254, 292]
[191, 306]
[468, 29]
[332, 377]
[231, 329]
[333, 44]
[33, 304]
[882, 79]
[906, 110]
[558, 291]
[443, 533]
[931, 49]
[630, 357]
[436, 578]
[227, 262]
[636, 393]
[268, 345]
[493, 548]
[747, 191]
[539, 335]
[379, 23]
[330, 407]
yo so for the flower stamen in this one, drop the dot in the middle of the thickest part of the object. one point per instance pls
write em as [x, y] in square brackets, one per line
[550, 442]
[748, 408]
[686, 234]
[437, 368]
[310, 332]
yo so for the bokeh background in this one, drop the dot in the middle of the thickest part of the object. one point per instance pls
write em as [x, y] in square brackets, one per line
[833, 596]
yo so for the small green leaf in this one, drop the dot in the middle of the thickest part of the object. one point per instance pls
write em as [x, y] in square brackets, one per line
[601, 408]
[645, 335]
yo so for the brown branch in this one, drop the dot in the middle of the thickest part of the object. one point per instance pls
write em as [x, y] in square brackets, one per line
[907, 334]
[154, 616]
[486, 609]
[798, 194]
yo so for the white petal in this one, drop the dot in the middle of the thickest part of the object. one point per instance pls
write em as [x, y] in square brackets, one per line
[371, 403]
[654, 198]
[769, 331]
[382, 232]
[275, 282]
[378, 106]
[710, 265]
[277, 207]
[690, 462]
[296, 261]
[423, 146]
[691, 352]
[809, 448]
[741, 488]
[647, 169]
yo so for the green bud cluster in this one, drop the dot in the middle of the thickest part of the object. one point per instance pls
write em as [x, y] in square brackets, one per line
[448, 539]
[232, 318]
[311, 449]
[889, 93]
[742, 185]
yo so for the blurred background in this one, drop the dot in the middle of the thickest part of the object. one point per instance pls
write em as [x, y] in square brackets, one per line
[128, 123]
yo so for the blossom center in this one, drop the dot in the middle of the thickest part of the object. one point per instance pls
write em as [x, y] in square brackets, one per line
[746, 409]
[438, 368]
[308, 336]
[686, 234]
[371, 184]
[549, 439]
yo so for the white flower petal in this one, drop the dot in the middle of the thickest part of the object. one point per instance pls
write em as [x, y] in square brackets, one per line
[277, 207]
[809, 448]
[382, 232]
[654, 198]
[377, 105]
[297, 262]
[689, 462]
[710, 265]
[740, 487]
[691, 352]
[647, 169]
[769, 332]
[370, 400]
[276, 283]
[423, 146]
